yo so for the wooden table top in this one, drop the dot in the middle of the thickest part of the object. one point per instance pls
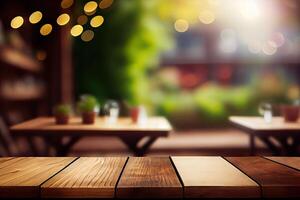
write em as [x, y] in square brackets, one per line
[46, 125]
[258, 124]
[150, 177]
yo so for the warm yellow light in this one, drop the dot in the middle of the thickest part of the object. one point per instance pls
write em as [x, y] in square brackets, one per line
[181, 25]
[207, 17]
[97, 21]
[76, 30]
[82, 19]
[66, 3]
[87, 35]
[35, 17]
[105, 3]
[17, 22]
[91, 13]
[90, 7]
[63, 19]
[46, 29]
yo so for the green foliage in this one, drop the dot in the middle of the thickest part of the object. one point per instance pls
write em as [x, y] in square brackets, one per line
[88, 103]
[62, 109]
[115, 64]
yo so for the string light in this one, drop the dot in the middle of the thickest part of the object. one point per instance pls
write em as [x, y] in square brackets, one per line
[63, 19]
[82, 19]
[76, 30]
[87, 35]
[46, 29]
[66, 3]
[105, 4]
[90, 7]
[17, 22]
[97, 21]
[35, 17]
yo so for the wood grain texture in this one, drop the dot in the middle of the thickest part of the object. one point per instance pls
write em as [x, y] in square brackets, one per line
[213, 177]
[149, 177]
[275, 179]
[46, 125]
[21, 177]
[86, 178]
[258, 124]
[293, 162]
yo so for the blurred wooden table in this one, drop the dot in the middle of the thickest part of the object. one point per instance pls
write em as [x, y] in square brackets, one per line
[131, 134]
[287, 135]
[186, 177]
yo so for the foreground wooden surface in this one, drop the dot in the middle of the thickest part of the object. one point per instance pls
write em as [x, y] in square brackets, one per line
[150, 177]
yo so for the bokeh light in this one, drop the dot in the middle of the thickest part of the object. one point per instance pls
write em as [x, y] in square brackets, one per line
[90, 7]
[82, 19]
[17, 22]
[254, 47]
[63, 19]
[97, 21]
[207, 17]
[35, 17]
[66, 3]
[41, 55]
[278, 39]
[181, 25]
[269, 48]
[46, 29]
[87, 35]
[76, 30]
[105, 3]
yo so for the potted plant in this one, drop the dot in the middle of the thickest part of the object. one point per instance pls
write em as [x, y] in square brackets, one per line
[88, 106]
[62, 113]
[290, 112]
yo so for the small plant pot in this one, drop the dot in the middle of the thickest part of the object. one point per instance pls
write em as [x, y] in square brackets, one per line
[134, 113]
[290, 113]
[88, 117]
[62, 119]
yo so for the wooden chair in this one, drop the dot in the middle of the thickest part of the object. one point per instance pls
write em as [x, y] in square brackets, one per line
[7, 145]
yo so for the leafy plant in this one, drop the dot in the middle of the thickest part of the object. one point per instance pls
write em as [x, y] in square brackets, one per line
[88, 103]
[62, 109]
[124, 50]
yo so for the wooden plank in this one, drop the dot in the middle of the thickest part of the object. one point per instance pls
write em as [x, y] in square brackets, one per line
[275, 179]
[213, 177]
[149, 177]
[293, 162]
[46, 125]
[86, 178]
[21, 177]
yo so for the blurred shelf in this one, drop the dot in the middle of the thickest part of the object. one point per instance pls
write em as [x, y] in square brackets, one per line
[18, 59]
[28, 95]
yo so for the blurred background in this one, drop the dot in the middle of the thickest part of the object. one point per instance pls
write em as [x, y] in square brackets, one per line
[194, 61]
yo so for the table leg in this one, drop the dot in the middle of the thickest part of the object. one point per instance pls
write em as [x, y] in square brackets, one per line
[289, 149]
[61, 148]
[132, 144]
[270, 145]
[252, 144]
